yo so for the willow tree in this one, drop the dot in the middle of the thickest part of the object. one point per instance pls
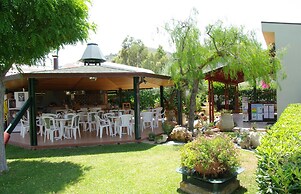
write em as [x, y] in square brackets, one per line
[30, 29]
[230, 46]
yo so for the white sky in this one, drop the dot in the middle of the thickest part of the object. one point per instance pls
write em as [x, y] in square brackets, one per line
[140, 19]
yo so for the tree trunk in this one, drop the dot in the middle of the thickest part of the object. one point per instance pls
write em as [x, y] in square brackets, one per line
[192, 107]
[3, 164]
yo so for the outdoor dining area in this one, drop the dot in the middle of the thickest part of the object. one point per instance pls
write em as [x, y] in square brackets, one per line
[84, 117]
[89, 127]
[74, 106]
[93, 102]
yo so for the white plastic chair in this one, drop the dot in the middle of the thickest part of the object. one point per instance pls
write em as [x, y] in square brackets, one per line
[74, 126]
[83, 120]
[162, 117]
[128, 111]
[69, 115]
[24, 127]
[83, 109]
[91, 121]
[50, 127]
[100, 125]
[95, 109]
[61, 111]
[159, 116]
[115, 111]
[49, 115]
[40, 124]
[147, 120]
[125, 122]
[108, 117]
[131, 112]
[100, 113]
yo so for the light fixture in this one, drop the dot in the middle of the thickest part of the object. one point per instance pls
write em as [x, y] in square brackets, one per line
[93, 78]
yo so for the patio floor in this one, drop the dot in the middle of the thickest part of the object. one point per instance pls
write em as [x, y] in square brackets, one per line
[90, 138]
[258, 125]
[87, 139]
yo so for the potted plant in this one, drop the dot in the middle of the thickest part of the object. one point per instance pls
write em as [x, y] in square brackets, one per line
[161, 138]
[226, 121]
[151, 136]
[167, 128]
[210, 162]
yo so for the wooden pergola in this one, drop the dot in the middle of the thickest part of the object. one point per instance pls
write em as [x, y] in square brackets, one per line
[218, 75]
[96, 77]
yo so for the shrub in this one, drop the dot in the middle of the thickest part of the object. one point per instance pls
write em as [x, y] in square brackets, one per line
[151, 136]
[279, 155]
[167, 128]
[210, 156]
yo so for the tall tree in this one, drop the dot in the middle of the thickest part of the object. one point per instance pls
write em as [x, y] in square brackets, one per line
[231, 46]
[30, 29]
[156, 61]
[135, 53]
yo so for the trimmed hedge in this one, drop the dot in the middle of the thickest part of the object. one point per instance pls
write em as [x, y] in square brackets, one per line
[279, 155]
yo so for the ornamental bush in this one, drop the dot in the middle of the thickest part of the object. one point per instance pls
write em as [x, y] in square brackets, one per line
[210, 156]
[279, 155]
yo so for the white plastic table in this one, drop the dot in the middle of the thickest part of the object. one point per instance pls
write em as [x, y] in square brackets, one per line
[62, 123]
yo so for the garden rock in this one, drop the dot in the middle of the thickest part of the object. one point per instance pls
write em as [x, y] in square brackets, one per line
[244, 140]
[197, 131]
[181, 134]
[161, 138]
[255, 138]
[198, 124]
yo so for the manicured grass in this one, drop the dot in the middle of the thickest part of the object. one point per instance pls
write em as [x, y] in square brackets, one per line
[247, 178]
[125, 168]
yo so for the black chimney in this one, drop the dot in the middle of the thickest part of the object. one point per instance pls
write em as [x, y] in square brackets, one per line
[55, 61]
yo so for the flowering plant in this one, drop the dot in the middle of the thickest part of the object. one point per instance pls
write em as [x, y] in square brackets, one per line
[210, 156]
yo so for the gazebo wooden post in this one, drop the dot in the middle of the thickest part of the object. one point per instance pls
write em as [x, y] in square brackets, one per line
[120, 97]
[162, 98]
[236, 102]
[227, 96]
[211, 100]
[136, 108]
[32, 112]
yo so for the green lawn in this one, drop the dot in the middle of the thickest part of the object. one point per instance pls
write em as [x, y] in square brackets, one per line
[125, 168]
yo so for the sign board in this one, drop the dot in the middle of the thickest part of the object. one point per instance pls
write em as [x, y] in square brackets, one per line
[257, 112]
[21, 98]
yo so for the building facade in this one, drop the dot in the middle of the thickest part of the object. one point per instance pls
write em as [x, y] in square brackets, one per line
[286, 36]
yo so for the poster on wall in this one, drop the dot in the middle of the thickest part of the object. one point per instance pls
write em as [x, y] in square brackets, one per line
[266, 111]
[257, 113]
[245, 108]
[20, 98]
[269, 110]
